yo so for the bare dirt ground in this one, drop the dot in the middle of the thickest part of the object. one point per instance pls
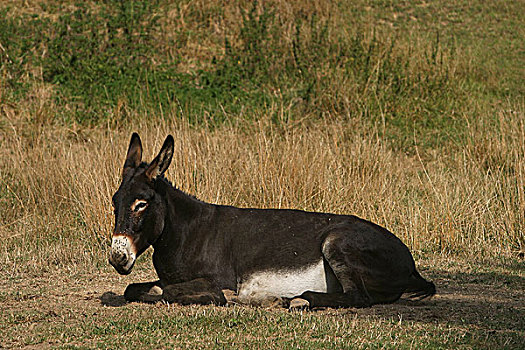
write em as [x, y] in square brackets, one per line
[61, 308]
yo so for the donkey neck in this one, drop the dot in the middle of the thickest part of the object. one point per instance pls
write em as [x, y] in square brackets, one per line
[183, 213]
[185, 216]
[184, 204]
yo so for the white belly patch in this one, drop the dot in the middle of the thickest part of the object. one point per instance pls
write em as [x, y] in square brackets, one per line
[283, 283]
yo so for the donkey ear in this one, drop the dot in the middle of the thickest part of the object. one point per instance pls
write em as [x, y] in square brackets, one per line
[134, 156]
[162, 161]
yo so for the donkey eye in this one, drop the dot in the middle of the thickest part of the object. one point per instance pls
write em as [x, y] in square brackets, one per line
[139, 205]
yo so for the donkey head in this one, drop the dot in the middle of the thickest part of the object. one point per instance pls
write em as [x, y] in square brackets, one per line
[139, 208]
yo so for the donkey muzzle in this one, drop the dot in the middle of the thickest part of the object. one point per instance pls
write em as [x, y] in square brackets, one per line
[122, 256]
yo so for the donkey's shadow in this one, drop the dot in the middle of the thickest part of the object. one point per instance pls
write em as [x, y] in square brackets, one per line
[112, 299]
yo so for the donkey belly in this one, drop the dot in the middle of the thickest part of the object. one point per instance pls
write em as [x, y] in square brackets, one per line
[286, 283]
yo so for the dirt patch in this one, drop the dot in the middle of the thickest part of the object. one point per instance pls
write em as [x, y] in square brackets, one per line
[38, 310]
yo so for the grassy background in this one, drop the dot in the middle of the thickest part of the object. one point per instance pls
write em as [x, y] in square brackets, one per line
[410, 114]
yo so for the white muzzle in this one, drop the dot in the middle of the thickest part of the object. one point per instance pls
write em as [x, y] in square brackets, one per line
[123, 254]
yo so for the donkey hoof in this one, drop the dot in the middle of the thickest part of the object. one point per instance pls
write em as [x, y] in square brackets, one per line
[155, 291]
[297, 304]
[231, 296]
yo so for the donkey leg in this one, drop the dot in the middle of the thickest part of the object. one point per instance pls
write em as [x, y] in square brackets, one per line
[198, 291]
[356, 272]
[347, 269]
[352, 295]
[148, 292]
[352, 298]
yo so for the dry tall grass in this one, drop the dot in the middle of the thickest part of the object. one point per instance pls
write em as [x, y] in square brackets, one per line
[463, 199]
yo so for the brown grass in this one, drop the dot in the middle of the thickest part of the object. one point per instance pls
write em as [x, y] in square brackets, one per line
[462, 200]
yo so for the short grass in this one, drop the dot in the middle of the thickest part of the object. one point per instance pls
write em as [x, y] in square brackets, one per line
[475, 308]
[409, 114]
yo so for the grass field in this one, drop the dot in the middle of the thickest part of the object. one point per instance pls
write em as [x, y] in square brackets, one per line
[409, 114]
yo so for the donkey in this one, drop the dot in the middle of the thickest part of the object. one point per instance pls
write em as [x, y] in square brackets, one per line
[200, 249]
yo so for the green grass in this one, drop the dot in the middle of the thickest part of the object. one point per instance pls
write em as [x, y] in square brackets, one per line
[421, 69]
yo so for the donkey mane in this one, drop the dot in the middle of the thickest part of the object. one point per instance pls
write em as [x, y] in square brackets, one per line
[162, 179]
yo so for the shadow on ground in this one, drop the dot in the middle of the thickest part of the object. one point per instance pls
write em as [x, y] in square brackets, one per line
[488, 303]
[483, 304]
[112, 299]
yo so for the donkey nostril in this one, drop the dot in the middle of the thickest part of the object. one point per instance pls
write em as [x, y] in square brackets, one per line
[119, 257]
